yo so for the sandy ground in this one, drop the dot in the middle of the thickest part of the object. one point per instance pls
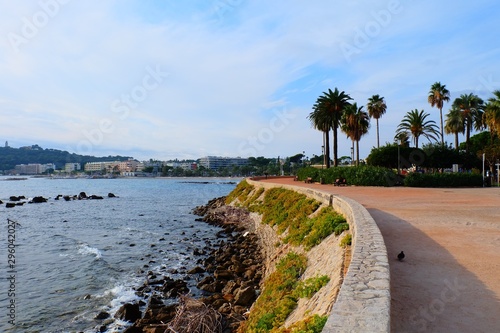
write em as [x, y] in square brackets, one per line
[450, 278]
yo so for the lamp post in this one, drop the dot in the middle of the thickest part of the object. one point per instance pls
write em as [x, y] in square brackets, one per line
[399, 155]
[352, 156]
[483, 169]
[498, 174]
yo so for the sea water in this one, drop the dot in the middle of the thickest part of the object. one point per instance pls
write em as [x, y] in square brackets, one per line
[74, 259]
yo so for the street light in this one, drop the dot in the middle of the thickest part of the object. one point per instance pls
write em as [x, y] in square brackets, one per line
[352, 156]
[399, 155]
[498, 174]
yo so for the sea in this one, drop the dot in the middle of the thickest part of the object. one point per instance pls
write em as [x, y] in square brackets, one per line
[63, 262]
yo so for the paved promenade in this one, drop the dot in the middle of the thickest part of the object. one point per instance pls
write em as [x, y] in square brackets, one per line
[450, 278]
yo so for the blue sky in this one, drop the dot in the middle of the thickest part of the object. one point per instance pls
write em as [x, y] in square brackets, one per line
[185, 79]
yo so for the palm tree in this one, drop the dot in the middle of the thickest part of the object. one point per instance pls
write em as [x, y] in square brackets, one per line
[376, 108]
[334, 103]
[454, 124]
[355, 123]
[416, 124]
[491, 116]
[471, 107]
[437, 96]
[320, 119]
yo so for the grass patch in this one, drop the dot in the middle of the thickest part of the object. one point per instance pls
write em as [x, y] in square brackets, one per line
[280, 295]
[313, 324]
[346, 241]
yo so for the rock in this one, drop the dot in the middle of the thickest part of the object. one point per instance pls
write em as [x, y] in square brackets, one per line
[67, 197]
[82, 195]
[95, 197]
[102, 315]
[38, 200]
[129, 312]
[10, 205]
[111, 195]
[223, 275]
[196, 270]
[229, 287]
[244, 296]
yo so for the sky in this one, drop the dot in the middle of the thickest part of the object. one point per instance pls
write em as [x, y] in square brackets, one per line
[186, 79]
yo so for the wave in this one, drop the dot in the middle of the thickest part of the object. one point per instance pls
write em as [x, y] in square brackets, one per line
[85, 249]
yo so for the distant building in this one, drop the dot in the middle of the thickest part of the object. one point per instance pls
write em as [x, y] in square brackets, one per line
[34, 168]
[128, 166]
[218, 162]
[183, 165]
[70, 167]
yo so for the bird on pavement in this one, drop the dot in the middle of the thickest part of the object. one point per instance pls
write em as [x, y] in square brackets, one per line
[401, 256]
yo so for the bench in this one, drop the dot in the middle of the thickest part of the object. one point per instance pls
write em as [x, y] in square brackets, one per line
[340, 182]
[308, 180]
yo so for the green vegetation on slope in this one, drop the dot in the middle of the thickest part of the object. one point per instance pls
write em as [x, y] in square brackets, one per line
[290, 211]
[283, 289]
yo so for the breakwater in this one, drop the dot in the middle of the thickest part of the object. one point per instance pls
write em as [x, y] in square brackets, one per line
[363, 303]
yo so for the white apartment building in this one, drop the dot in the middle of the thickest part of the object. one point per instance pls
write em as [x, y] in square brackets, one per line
[217, 162]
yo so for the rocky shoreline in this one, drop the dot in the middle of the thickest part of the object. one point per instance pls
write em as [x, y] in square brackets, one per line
[228, 278]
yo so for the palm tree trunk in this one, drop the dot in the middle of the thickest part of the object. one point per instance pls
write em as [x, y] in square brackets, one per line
[467, 138]
[335, 160]
[326, 152]
[456, 141]
[441, 116]
[357, 152]
[378, 142]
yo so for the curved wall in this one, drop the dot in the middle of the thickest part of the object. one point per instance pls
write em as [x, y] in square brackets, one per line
[364, 302]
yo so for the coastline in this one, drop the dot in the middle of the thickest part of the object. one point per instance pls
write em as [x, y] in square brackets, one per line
[226, 279]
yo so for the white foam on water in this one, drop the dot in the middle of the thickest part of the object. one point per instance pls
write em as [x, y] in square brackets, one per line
[85, 249]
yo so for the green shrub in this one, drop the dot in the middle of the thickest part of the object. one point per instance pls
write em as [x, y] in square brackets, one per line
[307, 288]
[417, 179]
[313, 324]
[364, 175]
[346, 240]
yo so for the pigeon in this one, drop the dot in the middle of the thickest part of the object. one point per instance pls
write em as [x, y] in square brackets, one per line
[401, 256]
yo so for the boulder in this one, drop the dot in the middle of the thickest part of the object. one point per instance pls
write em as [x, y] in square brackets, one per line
[102, 315]
[129, 312]
[244, 296]
[111, 195]
[95, 197]
[82, 195]
[38, 200]
[10, 205]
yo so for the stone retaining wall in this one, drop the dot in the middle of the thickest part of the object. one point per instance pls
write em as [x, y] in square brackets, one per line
[364, 302]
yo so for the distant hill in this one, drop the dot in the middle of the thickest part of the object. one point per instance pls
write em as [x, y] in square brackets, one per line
[9, 157]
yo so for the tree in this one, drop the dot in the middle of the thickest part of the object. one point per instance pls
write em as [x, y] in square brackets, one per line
[376, 108]
[471, 107]
[454, 124]
[355, 123]
[437, 96]
[321, 120]
[334, 102]
[416, 124]
[491, 116]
